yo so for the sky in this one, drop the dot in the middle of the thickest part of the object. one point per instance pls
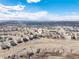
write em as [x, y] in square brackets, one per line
[39, 10]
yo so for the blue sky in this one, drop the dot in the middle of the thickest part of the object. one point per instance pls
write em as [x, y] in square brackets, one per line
[55, 10]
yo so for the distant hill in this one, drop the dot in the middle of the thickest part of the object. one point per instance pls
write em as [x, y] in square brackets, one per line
[51, 23]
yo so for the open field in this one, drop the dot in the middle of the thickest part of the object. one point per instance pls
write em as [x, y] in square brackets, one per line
[42, 44]
[20, 41]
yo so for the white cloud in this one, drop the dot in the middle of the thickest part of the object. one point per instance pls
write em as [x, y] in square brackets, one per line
[33, 1]
[6, 14]
[4, 8]
[72, 17]
[19, 14]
